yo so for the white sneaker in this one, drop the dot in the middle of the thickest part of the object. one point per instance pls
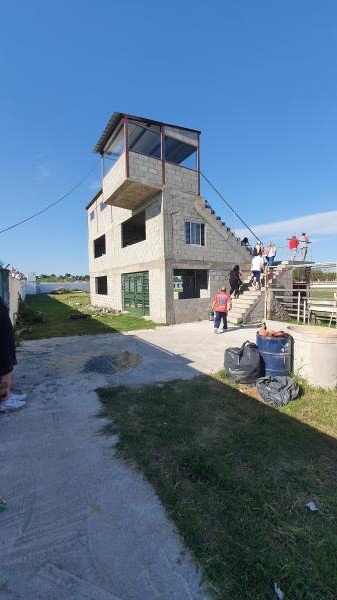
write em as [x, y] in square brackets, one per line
[19, 397]
[12, 403]
[215, 330]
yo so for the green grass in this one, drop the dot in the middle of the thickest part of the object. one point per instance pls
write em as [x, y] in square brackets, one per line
[234, 475]
[56, 311]
[322, 293]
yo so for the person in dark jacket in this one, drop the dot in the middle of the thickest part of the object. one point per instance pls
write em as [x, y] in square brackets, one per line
[8, 400]
[235, 281]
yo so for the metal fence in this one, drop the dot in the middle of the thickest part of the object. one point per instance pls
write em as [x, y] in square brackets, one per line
[302, 294]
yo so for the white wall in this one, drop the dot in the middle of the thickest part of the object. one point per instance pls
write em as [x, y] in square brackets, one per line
[46, 288]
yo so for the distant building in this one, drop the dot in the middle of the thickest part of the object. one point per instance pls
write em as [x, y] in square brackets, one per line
[155, 246]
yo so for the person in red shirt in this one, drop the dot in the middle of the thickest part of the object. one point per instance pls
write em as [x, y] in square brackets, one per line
[293, 245]
[221, 305]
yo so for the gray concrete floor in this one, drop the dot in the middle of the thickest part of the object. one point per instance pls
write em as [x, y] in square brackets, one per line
[80, 524]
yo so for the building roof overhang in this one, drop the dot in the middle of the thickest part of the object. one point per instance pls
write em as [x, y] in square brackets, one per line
[114, 121]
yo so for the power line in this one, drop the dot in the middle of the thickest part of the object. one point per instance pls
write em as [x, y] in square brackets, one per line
[229, 206]
[53, 203]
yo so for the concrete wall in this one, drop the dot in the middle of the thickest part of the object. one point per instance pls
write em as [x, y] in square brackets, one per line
[145, 169]
[220, 253]
[12, 290]
[16, 292]
[147, 255]
[114, 178]
[46, 288]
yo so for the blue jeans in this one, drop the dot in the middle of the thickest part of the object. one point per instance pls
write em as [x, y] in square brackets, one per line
[270, 260]
[217, 320]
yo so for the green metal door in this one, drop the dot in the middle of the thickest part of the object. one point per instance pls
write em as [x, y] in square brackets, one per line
[136, 293]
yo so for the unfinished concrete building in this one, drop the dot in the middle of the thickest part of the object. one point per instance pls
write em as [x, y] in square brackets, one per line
[156, 247]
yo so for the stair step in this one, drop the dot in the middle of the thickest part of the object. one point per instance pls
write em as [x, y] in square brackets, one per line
[237, 314]
[235, 320]
[251, 295]
[243, 303]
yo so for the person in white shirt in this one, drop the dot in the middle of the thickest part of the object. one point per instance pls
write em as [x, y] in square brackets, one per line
[257, 267]
[271, 253]
[304, 241]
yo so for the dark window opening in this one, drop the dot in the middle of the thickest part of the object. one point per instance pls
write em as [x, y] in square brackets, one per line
[193, 280]
[180, 153]
[195, 233]
[99, 246]
[101, 285]
[144, 141]
[134, 230]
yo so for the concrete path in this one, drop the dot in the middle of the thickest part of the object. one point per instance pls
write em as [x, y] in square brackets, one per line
[79, 523]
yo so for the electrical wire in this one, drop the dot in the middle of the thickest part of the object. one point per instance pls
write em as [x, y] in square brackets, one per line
[53, 203]
[229, 206]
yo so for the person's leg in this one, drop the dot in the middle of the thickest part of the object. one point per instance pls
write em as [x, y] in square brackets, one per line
[224, 319]
[258, 279]
[256, 275]
[217, 319]
[5, 386]
[8, 400]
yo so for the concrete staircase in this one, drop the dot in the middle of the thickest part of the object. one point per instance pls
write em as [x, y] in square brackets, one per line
[249, 307]
[205, 210]
[249, 301]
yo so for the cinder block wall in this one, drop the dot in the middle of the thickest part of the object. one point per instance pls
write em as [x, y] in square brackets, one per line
[147, 255]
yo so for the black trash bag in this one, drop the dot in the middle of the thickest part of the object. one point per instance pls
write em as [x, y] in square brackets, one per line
[243, 364]
[277, 391]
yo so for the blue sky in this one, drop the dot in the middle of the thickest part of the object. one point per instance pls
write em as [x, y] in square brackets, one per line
[258, 78]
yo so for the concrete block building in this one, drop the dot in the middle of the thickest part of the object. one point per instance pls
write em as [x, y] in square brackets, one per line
[156, 247]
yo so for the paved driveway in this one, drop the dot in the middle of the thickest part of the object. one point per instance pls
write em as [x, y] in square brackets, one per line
[79, 523]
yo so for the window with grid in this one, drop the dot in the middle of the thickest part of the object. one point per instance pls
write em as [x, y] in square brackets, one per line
[195, 233]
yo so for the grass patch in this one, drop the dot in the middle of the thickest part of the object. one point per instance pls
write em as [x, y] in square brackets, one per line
[234, 475]
[49, 316]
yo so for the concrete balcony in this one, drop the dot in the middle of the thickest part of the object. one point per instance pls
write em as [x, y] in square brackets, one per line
[144, 181]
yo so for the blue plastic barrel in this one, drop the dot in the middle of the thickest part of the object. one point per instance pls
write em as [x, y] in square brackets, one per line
[275, 354]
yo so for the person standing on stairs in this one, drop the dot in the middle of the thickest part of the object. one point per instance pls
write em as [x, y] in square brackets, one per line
[303, 243]
[221, 305]
[293, 245]
[257, 270]
[270, 254]
[235, 281]
[257, 248]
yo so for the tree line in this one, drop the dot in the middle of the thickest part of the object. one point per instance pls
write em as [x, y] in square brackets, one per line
[67, 277]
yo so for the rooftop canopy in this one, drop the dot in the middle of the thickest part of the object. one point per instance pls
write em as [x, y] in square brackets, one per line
[115, 121]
